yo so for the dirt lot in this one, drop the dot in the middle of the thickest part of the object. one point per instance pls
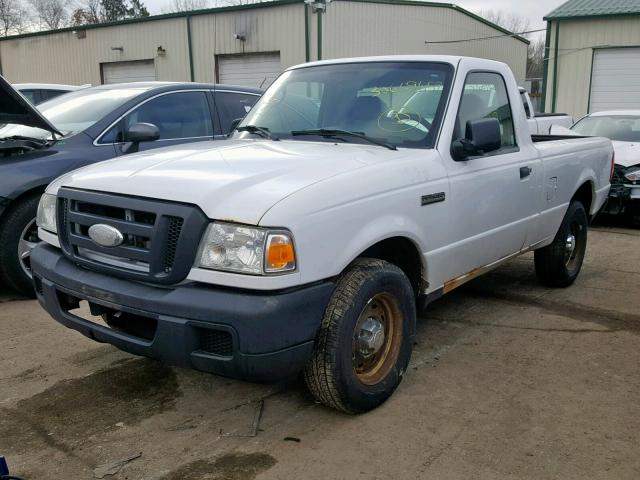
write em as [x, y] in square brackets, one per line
[508, 380]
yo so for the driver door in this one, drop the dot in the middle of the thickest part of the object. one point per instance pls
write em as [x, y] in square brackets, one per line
[495, 195]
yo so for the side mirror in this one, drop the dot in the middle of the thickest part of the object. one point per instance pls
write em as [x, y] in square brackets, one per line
[482, 136]
[137, 133]
[233, 126]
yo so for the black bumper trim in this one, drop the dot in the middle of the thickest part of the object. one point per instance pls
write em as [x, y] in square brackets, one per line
[272, 332]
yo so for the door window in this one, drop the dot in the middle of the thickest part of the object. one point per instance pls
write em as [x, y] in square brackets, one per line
[30, 95]
[485, 96]
[177, 115]
[49, 94]
[232, 106]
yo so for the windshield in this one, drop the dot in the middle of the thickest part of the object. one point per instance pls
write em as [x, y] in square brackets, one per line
[398, 103]
[624, 128]
[74, 112]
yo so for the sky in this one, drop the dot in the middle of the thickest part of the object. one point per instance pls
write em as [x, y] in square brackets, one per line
[534, 10]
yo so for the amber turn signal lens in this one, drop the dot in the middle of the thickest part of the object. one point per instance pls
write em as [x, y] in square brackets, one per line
[280, 256]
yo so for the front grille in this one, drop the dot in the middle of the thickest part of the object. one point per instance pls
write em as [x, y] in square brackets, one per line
[173, 235]
[159, 239]
[216, 342]
[618, 190]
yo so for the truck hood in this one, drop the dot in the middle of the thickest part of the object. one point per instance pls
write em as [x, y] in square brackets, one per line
[14, 108]
[627, 153]
[233, 180]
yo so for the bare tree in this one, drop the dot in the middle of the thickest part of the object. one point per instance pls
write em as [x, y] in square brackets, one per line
[511, 21]
[186, 5]
[51, 14]
[87, 12]
[535, 58]
[12, 17]
[518, 24]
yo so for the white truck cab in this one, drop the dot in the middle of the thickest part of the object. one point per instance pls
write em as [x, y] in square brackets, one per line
[310, 238]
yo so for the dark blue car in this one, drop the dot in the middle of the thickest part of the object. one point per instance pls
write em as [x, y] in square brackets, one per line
[88, 126]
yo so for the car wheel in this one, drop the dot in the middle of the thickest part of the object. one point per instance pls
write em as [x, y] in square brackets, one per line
[18, 237]
[558, 264]
[365, 340]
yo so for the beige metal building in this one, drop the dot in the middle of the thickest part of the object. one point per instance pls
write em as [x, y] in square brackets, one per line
[593, 56]
[251, 44]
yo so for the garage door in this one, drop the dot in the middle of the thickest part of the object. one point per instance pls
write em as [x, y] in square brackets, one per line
[124, 72]
[249, 70]
[615, 81]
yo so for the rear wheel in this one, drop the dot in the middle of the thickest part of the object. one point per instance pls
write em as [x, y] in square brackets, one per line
[365, 340]
[558, 264]
[18, 237]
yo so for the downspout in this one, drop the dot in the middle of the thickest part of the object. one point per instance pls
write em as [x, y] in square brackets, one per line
[189, 48]
[319, 13]
[547, 49]
[555, 68]
[307, 47]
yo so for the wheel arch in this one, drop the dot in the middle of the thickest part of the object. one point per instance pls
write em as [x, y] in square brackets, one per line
[403, 252]
[585, 194]
[39, 189]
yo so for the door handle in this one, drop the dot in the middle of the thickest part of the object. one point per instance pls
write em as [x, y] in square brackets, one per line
[525, 172]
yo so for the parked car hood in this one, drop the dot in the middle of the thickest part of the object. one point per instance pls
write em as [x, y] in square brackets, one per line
[14, 108]
[233, 180]
[627, 153]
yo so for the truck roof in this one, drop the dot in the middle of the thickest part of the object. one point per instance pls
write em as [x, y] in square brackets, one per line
[452, 59]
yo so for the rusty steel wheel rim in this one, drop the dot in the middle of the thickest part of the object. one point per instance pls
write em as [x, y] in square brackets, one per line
[377, 338]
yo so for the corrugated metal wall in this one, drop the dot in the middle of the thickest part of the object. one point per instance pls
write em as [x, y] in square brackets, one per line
[274, 29]
[349, 29]
[575, 53]
[359, 29]
[63, 58]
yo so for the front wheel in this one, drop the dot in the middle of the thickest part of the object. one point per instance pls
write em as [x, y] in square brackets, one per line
[364, 344]
[558, 264]
[18, 237]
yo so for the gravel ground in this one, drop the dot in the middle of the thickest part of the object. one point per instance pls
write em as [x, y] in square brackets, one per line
[508, 380]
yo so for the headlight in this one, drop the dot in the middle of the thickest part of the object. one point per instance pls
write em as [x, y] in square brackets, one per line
[242, 249]
[46, 218]
[633, 175]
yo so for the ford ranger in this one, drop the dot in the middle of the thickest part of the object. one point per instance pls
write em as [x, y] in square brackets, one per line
[310, 239]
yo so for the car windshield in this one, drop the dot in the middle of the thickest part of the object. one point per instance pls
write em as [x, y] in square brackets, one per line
[624, 128]
[398, 104]
[74, 112]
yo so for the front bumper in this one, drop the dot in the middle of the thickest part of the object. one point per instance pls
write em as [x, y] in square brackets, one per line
[258, 336]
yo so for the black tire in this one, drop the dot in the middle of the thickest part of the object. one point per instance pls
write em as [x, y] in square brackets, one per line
[336, 375]
[12, 228]
[557, 265]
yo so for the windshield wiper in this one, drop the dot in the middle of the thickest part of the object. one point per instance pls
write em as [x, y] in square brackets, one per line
[24, 139]
[262, 131]
[331, 132]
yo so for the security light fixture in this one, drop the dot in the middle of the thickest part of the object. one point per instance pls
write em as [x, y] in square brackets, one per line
[120, 49]
[318, 6]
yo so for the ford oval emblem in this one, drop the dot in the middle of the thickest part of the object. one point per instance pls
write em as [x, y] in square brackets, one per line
[105, 235]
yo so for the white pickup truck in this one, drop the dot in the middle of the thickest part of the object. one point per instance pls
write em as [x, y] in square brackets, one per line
[541, 123]
[310, 239]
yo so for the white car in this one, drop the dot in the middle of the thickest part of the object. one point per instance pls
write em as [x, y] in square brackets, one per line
[623, 128]
[37, 93]
[308, 241]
